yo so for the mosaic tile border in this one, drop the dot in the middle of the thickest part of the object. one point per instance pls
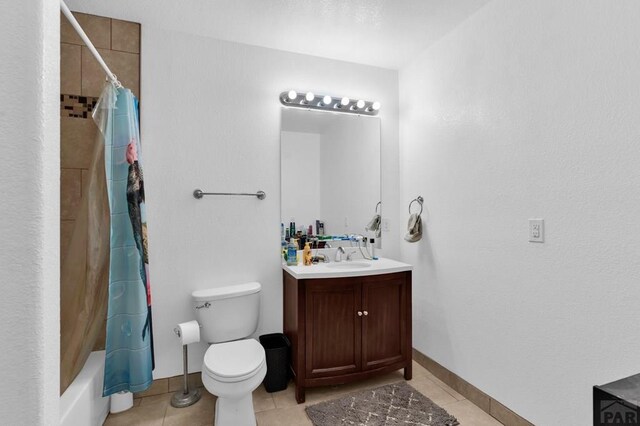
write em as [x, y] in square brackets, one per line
[77, 106]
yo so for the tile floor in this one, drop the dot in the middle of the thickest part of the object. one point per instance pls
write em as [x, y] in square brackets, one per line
[281, 409]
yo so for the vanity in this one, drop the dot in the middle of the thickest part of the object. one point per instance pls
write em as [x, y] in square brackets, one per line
[347, 321]
[349, 317]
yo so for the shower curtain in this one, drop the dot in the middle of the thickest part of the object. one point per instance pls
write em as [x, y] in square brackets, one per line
[84, 273]
[129, 345]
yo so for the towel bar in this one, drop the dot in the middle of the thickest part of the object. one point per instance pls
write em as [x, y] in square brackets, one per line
[198, 194]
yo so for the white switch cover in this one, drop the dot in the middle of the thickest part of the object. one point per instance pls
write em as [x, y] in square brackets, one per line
[536, 230]
[385, 225]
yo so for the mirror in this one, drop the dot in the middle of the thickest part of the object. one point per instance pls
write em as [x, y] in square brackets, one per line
[330, 174]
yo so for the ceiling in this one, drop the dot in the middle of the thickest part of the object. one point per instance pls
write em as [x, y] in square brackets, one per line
[383, 33]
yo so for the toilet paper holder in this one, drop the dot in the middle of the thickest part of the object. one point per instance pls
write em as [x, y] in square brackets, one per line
[185, 397]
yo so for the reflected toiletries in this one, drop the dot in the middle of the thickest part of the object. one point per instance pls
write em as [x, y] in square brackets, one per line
[292, 252]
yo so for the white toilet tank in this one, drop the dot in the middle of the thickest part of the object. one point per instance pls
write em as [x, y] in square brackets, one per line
[227, 313]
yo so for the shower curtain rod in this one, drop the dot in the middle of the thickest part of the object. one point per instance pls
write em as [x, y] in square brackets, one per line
[76, 26]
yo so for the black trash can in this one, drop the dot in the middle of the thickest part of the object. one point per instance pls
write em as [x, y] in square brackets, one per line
[277, 348]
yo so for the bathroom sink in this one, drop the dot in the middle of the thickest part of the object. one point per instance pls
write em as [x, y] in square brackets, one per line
[349, 265]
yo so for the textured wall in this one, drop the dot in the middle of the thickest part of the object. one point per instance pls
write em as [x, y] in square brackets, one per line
[528, 109]
[211, 119]
[29, 182]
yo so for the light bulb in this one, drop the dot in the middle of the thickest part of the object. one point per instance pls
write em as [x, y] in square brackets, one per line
[292, 95]
[375, 106]
[309, 96]
[326, 100]
[344, 101]
[360, 104]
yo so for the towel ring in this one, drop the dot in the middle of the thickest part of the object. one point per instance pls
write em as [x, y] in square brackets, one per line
[378, 205]
[419, 200]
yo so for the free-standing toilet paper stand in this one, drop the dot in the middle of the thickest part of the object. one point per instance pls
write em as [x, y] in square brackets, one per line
[185, 397]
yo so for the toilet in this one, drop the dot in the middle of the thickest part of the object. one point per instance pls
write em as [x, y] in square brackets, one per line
[233, 366]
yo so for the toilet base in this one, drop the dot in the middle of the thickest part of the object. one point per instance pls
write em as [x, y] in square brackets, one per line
[235, 412]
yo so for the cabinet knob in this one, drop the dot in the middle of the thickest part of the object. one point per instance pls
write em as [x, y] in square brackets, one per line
[359, 313]
[365, 313]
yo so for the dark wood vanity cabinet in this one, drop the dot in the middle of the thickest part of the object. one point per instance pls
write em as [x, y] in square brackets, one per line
[347, 329]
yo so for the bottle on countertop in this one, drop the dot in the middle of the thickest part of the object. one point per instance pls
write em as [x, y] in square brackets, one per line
[306, 255]
[292, 252]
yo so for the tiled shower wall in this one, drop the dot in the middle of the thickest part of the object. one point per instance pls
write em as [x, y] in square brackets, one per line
[81, 82]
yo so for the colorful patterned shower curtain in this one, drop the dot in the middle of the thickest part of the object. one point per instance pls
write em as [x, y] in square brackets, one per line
[129, 345]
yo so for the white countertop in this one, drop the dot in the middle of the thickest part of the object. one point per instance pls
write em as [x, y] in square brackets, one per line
[325, 270]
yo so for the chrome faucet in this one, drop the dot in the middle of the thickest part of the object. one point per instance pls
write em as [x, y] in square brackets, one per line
[351, 253]
[339, 254]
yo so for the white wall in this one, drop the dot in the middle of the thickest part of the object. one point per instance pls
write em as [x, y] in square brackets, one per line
[211, 120]
[300, 177]
[528, 109]
[29, 184]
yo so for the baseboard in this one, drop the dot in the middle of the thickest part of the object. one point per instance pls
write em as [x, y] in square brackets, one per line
[494, 408]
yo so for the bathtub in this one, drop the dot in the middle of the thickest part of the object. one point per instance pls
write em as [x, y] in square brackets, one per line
[82, 404]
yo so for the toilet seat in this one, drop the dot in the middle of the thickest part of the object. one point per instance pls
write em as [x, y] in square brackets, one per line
[234, 361]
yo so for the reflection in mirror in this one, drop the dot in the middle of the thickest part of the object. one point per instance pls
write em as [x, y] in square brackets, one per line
[330, 176]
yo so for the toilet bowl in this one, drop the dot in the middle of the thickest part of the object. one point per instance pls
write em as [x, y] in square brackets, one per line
[232, 371]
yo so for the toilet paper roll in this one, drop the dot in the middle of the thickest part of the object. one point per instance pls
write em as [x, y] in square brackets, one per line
[189, 332]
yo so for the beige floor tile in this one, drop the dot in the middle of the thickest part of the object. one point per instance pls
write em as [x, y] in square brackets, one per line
[285, 398]
[290, 416]
[199, 414]
[158, 387]
[142, 415]
[162, 399]
[446, 387]
[469, 414]
[263, 403]
[432, 391]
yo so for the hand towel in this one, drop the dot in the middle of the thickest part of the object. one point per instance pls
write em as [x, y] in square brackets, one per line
[414, 229]
[374, 225]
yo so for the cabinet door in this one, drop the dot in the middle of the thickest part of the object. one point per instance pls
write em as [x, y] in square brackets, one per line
[384, 323]
[333, 327]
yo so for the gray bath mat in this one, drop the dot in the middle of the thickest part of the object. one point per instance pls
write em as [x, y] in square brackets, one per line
[390, 405]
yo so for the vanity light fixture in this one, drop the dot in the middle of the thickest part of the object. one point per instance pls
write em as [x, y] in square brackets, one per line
[329, 103]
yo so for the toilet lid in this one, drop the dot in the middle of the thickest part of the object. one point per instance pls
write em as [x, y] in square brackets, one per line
[234, 360]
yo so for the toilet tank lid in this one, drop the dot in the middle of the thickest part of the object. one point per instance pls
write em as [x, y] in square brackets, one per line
[226, 292]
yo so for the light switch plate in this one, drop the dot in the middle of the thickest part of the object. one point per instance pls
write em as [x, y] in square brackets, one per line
[536, 230]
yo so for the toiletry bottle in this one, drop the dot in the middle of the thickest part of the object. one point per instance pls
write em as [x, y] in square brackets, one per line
[306, 254]
[292, 252]
[281, 231]
[310, 230]
[292, 227]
